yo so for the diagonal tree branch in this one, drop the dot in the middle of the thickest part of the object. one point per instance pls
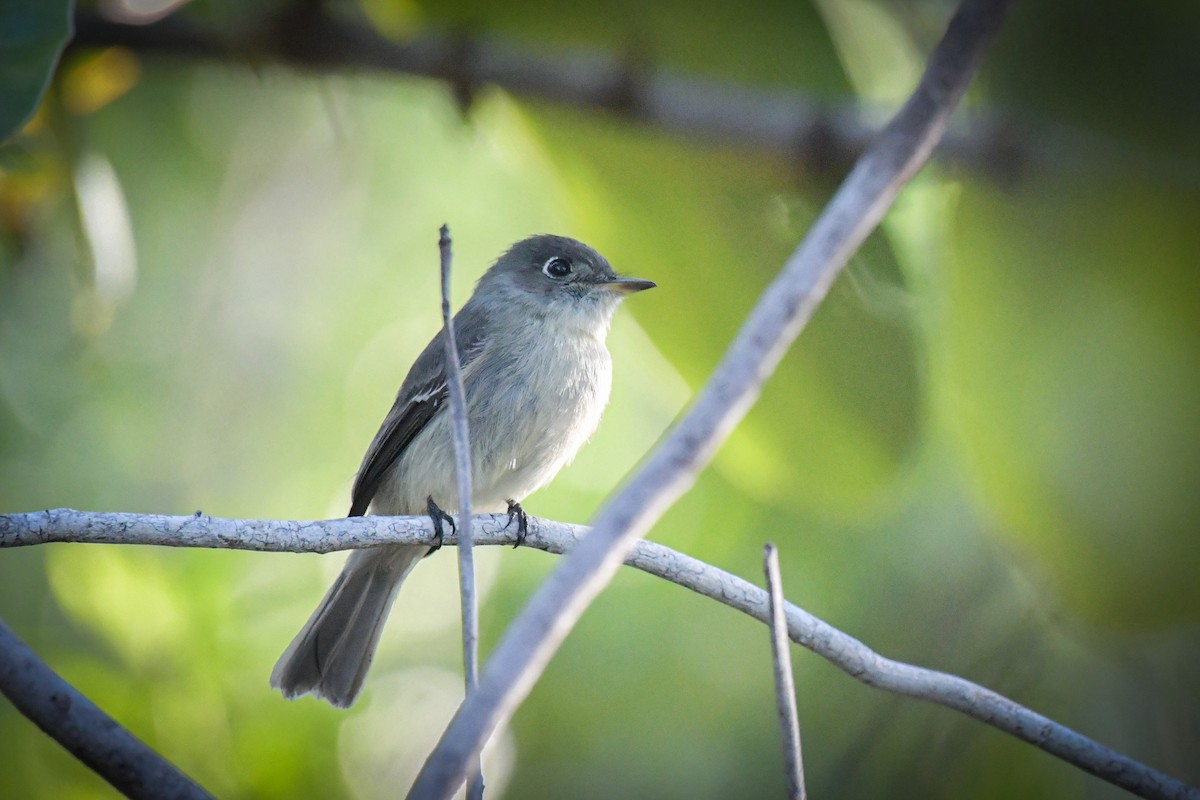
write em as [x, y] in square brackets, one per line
[842, 650]
[784, 308]
[89, 734]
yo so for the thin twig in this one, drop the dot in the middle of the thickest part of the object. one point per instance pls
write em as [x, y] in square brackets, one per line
[842, 650]
[788, 303]
[785, 685]
[79, 725]
[462, 468]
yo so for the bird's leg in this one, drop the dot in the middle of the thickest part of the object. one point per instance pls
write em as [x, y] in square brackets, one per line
[438, 516]
[516, 512]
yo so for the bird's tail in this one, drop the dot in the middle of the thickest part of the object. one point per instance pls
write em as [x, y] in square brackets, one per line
[331, 654]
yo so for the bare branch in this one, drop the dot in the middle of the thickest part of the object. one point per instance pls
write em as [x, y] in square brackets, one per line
[201, 530]
[785, 685]
[81, 727]
[462, 467]
[840, 649]
[788, 303]
[824, 137]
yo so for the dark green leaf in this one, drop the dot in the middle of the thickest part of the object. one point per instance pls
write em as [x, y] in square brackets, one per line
[32, 36]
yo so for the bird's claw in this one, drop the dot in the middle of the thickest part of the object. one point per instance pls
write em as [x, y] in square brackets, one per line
[516, 512]
[438, 516]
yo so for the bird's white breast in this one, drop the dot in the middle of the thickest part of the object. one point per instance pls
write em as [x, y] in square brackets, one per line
[534, 396]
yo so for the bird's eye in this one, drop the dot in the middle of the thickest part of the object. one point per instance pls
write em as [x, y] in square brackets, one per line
[557, 267]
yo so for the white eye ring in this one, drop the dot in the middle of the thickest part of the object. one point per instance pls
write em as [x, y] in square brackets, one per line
[557, 268]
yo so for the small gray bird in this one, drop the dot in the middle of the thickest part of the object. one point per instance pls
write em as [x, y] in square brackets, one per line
[537, 377]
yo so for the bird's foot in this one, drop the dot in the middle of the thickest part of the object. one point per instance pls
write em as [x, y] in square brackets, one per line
[516, 512]
[438, 516]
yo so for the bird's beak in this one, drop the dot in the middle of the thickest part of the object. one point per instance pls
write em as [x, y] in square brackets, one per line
[629, 285]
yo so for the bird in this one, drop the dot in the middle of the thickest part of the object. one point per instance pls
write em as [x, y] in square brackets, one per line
[537, 376]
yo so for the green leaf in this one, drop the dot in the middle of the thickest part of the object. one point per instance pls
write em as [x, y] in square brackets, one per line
[32, 36]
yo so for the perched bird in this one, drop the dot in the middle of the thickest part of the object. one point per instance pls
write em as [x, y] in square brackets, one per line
[537, 377]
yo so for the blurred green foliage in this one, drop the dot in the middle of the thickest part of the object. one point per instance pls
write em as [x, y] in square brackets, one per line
[32, 34]
[981, 456]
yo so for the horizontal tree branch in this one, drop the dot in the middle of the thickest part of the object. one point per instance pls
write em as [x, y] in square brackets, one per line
[82, 727]
[841, 649]
[824, 137]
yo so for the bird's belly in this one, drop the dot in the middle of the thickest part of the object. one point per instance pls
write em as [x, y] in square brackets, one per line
[526, 422]
[533, 421]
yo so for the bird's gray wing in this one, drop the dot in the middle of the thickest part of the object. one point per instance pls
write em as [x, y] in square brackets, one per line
[423, 393]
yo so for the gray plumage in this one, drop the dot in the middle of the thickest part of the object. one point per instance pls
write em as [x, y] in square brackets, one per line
[537, 377]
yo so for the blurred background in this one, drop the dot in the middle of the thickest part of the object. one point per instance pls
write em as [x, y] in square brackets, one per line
[216, 265]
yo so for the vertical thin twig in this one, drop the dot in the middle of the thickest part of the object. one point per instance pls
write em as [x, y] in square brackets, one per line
[84, 729]
[857, 207]
[785, 686]
[462, 467]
